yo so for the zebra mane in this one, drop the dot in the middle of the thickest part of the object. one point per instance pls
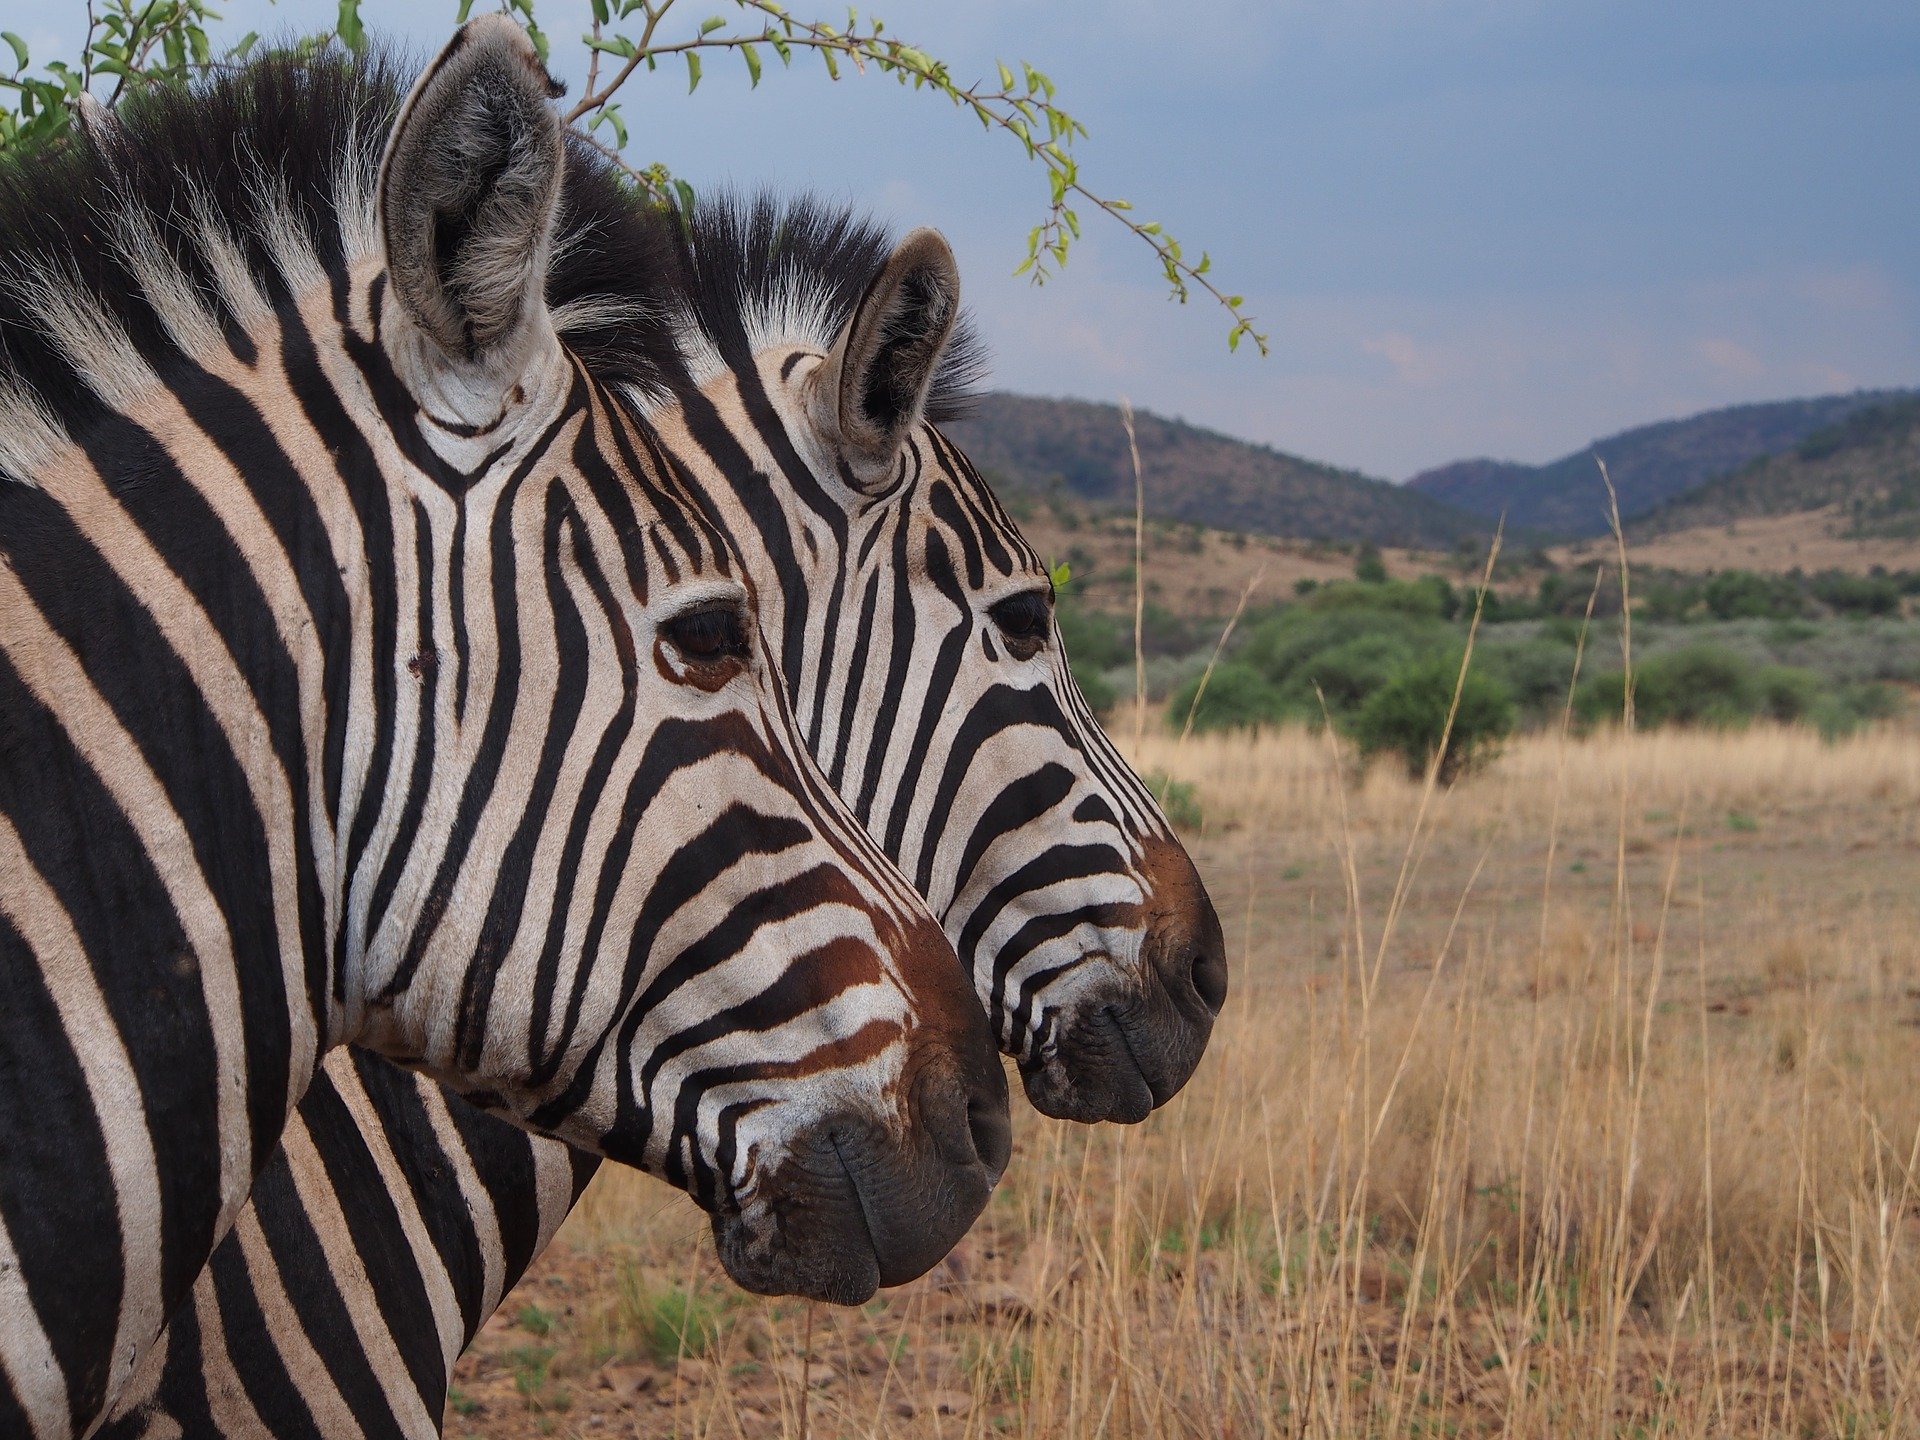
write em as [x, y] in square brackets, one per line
[141, 240]
[139, 243]
[760, 271]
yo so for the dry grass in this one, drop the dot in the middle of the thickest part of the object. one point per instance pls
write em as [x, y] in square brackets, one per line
[1191, 569]
[1578, 1100]
[1808, 540]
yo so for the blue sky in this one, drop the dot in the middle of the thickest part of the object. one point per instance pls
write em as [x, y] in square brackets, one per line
[1470, 226]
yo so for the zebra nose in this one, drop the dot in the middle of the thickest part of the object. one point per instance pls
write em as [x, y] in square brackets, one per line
[962, 1109]
[1184, 949]
[1188, 954]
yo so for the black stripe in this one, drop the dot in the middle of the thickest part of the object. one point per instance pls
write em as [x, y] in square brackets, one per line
[55, 1183]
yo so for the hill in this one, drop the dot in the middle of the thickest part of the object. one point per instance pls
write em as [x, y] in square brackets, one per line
[1041, 447]
[1863, 472]
[1650, 465]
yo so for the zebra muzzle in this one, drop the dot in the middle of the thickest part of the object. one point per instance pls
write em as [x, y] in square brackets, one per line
[859, 1202]
[1127, 1044]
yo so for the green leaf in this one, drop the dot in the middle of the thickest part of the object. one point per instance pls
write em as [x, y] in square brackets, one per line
[466, 9]
[1060, 575]
[684, 192]
[601, 15]
[245, 43]
[1006, 78]
[693, 72]
[752, 57]
[352, 33]
[19, 48]
[711, 24]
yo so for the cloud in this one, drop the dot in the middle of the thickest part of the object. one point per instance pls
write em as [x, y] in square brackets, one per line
[1732, 357]
[1413, 363]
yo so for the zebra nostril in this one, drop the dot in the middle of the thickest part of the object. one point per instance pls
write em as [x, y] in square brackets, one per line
[992, 1131]
[1210, 972]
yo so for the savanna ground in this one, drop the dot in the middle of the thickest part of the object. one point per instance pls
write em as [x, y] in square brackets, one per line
[1580, 1099]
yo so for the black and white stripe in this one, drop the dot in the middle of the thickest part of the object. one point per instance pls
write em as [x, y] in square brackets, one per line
[361, 682]
[913, 627]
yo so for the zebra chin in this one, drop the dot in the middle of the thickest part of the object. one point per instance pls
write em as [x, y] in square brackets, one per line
[856, 1203]
[1127, 1042]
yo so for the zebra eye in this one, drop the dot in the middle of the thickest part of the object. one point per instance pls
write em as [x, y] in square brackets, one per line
[708, 633]
[1024, 621]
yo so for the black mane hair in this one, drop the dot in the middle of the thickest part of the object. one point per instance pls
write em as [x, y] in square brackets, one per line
[294, 143]
[799, 266]
[259, 146]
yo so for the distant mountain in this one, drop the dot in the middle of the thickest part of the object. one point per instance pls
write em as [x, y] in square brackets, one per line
[1650, 465]
[1026, 444]
[1867, 465]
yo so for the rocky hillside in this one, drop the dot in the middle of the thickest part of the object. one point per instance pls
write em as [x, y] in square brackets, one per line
[1651, 465]
[1041, 447]
[1864, 470]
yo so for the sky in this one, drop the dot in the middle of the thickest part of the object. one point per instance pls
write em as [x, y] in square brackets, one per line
[1470, 227]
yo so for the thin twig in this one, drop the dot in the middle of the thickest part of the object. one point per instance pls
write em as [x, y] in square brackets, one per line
[1139, 580]
[1214, 659]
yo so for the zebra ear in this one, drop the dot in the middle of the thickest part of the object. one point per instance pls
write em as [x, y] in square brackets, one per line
[469, 187]
[872, 391]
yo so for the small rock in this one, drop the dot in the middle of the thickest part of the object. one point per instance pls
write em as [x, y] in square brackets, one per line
[627, 1382]
[818, 1375]
[934, 1402]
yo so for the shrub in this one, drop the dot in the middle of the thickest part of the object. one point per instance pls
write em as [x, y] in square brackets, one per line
[1095, 639]
[1095, 688]
[1179, 801]
[1743, 595]
[1237, 697]
[1857, 594]
[1705, 684]
[1408, 717]
[1538, 673]
[1346, 674]
[1368, 567]
[670, 1323]
[1843, 709]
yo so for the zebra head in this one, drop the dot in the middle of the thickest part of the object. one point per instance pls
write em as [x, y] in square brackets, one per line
[917, 641]
[632, 913]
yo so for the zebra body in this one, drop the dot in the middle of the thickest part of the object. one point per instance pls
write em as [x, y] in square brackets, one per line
[362, 679]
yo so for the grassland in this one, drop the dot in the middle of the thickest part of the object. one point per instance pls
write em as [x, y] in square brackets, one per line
[1577, 1100]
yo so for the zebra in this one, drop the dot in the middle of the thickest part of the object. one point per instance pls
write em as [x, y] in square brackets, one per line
[363, 682]
[1031, 811]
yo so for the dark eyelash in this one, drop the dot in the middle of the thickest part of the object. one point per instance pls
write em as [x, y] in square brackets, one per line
[1024, 619]
[710, 632]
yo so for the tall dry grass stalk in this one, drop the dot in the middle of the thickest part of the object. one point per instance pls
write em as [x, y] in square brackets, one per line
[1606, 1125]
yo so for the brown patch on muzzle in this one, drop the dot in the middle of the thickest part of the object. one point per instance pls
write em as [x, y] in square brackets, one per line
[1127, 1047]
[865, 1197]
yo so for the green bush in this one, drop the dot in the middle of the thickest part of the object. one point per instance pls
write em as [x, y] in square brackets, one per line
[1179, 801]
[1237, 698]
[1096, 639]
[1705, 684]
[1094, 686]
[1538, 673]
[1743, 595]
[1345, 674]
[1857, 594]
[1841, 710]
[1408, 717]
[1409, 597]
[1368, 567]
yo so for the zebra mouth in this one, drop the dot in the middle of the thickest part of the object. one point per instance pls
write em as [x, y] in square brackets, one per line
[1093, 1070]
[855, 1203]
